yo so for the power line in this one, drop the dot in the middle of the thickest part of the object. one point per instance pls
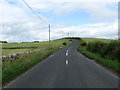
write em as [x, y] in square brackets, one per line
[39, 19]
[34, 12]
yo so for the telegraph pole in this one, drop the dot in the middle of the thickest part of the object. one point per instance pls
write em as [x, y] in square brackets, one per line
[68, 35]
[49, 36]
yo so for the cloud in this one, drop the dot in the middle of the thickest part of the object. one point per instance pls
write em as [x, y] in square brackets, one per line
[18, 24]
[97, 10]
[74, 1]
[99, 30]
[100, 11]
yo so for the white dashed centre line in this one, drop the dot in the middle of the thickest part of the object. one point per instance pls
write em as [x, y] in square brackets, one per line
[67, 53]
[66, 62]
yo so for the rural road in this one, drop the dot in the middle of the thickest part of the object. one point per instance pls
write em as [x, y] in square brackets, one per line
[66, 69]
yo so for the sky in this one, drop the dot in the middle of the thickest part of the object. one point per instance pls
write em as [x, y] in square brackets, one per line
[88, 18]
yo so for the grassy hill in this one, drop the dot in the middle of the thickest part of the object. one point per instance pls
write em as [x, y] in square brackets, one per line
[87, 40]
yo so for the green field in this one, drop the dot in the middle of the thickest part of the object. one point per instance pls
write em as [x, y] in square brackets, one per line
[7, 45]
[41, 44]
[88, 40]
[33, 44]
[104, 51]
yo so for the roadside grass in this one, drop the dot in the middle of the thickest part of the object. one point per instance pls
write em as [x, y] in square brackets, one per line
[100, 53]
[0, 67]
[107, 62]
[12, 67]
[0, 74]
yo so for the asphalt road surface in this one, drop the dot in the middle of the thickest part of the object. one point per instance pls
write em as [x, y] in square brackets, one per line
[66, 69]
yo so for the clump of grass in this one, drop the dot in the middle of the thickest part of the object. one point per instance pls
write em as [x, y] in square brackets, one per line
[83, 43]
[102, 52]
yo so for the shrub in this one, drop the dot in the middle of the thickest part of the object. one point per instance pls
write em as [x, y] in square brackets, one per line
[109, 50]
[82, 43]
[3, 41]
[114, 50]
[64, 43]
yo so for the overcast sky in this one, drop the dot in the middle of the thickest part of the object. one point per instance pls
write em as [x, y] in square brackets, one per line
[79, 18]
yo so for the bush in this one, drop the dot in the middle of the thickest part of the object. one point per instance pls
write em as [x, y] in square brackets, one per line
[64, 43]
[82, 43]
[95, 46]
[3, 41]
[109, 50]
[114, 50]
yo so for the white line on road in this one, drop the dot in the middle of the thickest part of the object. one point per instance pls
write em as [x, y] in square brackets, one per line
[67, 50]
[66, 62]
[66, 54]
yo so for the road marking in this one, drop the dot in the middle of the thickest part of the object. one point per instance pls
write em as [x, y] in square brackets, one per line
[66, 54]
[67, 51]
[66, 62]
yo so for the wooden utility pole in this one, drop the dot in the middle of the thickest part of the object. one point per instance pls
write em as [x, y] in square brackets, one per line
[49, 36]
[68, 35]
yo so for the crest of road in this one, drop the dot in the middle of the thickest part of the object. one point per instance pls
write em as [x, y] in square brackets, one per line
[66, 68]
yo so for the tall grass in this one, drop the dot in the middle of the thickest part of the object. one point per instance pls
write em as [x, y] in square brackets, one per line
[106, 53]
